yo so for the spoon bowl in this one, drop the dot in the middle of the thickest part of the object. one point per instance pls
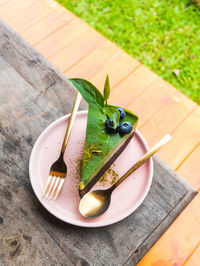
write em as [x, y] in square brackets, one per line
[95, 203]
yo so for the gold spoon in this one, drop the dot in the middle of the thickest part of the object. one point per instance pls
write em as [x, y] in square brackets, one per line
[95, 203]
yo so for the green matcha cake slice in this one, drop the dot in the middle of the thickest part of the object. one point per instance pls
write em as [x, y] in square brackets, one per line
[108, 132]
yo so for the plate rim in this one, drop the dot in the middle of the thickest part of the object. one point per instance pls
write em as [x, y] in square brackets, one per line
[81, 223]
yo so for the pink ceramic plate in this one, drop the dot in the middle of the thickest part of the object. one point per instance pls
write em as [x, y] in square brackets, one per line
[125, 199]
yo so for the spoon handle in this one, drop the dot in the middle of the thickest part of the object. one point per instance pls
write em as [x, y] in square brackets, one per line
[152, 151]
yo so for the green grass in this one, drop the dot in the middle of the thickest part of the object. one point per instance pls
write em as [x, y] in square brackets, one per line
[162, 34]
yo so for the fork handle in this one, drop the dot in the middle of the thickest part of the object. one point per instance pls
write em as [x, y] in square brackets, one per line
[71, 120]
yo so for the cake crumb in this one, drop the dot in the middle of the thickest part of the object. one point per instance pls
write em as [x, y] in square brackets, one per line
[89, 151]
[78, 169]
[110, 177]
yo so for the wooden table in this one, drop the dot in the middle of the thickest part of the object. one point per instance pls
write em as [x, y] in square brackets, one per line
[33, 94]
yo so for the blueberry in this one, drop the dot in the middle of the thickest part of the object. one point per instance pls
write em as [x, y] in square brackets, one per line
[122, 113]
[110, 126]
[125, 128]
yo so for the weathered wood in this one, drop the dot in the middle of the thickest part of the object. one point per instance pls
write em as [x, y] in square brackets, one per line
[33, 94]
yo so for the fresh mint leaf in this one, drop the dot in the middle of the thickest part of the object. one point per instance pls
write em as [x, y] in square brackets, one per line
[89, 92]
[106, 91]
[113, 114]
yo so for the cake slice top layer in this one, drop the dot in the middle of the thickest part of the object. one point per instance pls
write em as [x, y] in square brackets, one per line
[99, 145]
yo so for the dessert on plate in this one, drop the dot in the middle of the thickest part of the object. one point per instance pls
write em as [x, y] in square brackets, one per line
[109, 130]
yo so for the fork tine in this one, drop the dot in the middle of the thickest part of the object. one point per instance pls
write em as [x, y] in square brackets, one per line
[55, 186]
[47, 185]
[51, 185]
[59, 187]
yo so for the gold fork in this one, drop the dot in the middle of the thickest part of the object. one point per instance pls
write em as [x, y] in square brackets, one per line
[58, 169]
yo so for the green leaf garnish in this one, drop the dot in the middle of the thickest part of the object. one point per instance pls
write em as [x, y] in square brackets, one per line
[89, 92]
[94, 97]
[106, 91]
[113, 114]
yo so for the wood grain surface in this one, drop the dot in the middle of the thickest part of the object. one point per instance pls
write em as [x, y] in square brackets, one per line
[33, 93]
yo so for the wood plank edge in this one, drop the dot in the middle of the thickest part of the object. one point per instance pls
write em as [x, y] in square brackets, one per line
[191, 254]
[176, 176]
[84, 56]
[126, 76]
[187, 156]
[36, 22]
[146, 245]
[48, 35]
[182, 204]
